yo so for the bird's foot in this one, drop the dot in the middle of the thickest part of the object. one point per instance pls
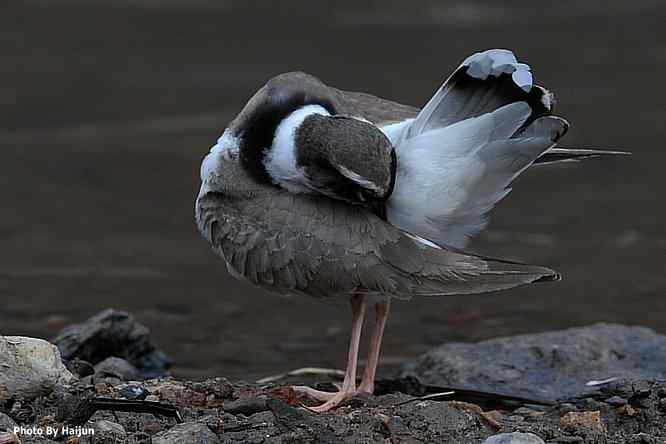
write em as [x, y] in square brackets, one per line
[337, 399]
[331, 400]
[312, 393]
[366, 387]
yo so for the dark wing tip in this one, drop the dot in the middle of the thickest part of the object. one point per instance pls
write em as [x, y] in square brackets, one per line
[553, 276]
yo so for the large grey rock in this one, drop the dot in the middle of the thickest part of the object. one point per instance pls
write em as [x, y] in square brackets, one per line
[29, 368]
[514, 438]
[113, 333]
[187, 433]
[551, 365]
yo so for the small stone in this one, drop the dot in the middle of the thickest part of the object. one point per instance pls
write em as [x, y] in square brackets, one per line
[117, 368]
[643, 438]
[588, 424]
[590, 404]
[627, 409]
[246, 406]
[9, 438]
[221, 388]
[216, 423]
[514, 438]
[133, 391]
[662, 403]
[105, 432]
[152, 398]
[639, 397]
[6, 423]
[104, 426]
[616, 401]
[189, 432]
[566, 407]
[152, 428]
[178, 393]
[80, 368]
[22, 412]
[113, 381]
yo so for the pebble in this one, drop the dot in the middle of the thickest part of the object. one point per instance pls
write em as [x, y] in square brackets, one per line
[117, 368]
[514, 438]
[590, 404]
[616, 401]
[9, 438]
[152, 428]
[80, 368]
[133, 391]
[104, 426]
[189, 432]
[246, 406]
[6, 422]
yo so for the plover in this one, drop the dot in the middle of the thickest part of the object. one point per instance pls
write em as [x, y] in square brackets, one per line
[333, 194]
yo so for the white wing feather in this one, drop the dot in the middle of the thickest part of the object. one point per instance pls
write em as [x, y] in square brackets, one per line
[458, 157]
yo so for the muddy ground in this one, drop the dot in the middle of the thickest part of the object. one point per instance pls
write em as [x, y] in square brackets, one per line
[217, 410]
[92, 382]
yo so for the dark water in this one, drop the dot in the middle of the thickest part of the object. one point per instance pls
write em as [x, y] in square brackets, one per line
[107, 108]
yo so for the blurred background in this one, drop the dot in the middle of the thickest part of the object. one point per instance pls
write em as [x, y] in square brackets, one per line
[108, 107]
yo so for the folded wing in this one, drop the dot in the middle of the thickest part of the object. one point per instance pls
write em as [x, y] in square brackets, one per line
[298, 243]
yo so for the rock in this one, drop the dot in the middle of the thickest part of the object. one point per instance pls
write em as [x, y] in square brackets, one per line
[104, 426]
[30, 368]
[616, 401]
[9, 438]
[187, 433]
[105, 432]
[175, 392]
[219, 388]
[246, 406]
[552, 365]
[133, 391]
[7, 424]
[80, 368]
[118, 368]
[113, 333]
[588, 425]
[514, 438]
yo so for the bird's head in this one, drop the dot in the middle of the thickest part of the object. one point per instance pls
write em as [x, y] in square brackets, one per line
[291, 135]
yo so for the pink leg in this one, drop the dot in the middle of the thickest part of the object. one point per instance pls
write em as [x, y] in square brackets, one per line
[381, 315]
[348, 389]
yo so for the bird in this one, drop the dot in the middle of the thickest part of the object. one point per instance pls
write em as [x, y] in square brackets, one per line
[337, 195]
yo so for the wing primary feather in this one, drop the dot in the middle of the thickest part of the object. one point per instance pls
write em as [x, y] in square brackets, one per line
[559, 155]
